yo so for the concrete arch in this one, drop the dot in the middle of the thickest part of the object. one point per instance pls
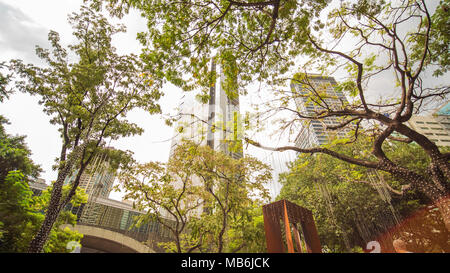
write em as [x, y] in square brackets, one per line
[97, 239]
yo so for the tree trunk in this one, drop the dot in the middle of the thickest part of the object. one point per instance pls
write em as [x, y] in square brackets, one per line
[435, 189]
[221, 233]
[55, 206]
[177, 242]
[38, 242]
[444, 208]
[440, 176]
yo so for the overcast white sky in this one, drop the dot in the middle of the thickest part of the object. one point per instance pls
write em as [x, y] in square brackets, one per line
[26, 23]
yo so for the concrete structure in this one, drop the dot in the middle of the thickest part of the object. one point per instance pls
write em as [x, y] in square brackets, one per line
[120, 217]
[38, 186]
[100, 240]
[109, 226]
[313, 132]
[435, 126]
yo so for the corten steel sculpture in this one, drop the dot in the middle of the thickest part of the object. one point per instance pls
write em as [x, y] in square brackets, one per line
[291, 215]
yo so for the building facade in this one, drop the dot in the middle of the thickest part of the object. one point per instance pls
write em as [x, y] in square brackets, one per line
[97, 180]
[313, 132]
[37, 186]
[121, 217]
[116, 216]
[217, 124]
[435, 126]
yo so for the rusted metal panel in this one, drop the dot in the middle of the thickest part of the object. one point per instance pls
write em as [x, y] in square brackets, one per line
[291, 214]
[273, 232]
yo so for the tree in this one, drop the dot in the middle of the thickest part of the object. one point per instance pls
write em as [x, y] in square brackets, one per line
[264, 40]
[170, 195]
[4, 80]
[234, 187]
[16, 167]
[246, 231]
[16, 214]
[87, 99]
[60, 237]
[22, 214]
[205, 198]
[355, 208]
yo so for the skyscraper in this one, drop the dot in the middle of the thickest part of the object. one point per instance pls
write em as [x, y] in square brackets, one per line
[97, 180]
[313, 132]
[216, 124]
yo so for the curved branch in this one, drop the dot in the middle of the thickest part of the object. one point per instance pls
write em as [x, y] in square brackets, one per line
[352, 160]
[358, 64]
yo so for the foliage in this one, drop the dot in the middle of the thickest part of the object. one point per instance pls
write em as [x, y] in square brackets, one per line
[354, 201]
[282, 42]
[208, 200]
[22, 214]
[169, 201]
[4, 80]
[60, 237]
[15, 212]
[16, 167]
[256, 37]
[439, 40]
[246, 233]
[234, 187]
[88, 99]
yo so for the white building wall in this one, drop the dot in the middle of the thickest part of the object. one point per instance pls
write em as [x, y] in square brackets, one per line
[436, 128]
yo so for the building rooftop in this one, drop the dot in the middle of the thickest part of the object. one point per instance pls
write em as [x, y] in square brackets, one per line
[444, 110]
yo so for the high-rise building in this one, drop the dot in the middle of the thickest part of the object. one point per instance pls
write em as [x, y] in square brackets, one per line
[313, 132]
[97, 180]
[435, 126]
[216, 124]
[191, 124]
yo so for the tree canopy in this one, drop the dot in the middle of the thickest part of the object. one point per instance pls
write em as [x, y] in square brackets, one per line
[88, 98]
[15, 155]
[282, 42]
[22, 214]
[353, 205]
[208, 200]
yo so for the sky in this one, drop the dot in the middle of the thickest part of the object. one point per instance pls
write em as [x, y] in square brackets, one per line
[26, 23]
